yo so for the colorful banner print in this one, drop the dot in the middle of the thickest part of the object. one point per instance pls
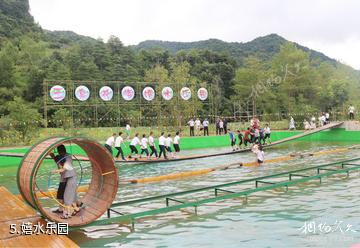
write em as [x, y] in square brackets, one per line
[185, 93]
[106, 93]
[82, 93]
[202, 94]
[128, 93]
[148, 93]
[57, 93]
[167, 93]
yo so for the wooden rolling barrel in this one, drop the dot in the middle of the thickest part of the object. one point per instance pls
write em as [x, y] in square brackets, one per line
[102, 188]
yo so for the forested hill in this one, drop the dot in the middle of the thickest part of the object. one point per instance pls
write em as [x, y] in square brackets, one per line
[263, 47]
[279, 76]
[15, 18]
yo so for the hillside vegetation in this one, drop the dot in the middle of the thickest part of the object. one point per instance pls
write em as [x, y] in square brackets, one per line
[276, 75]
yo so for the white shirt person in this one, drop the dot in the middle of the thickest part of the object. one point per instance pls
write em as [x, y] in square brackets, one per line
[177, 143]
[197, 126]
[152, 145]
[168, 142]
[162, 146]
[110, 142]
[191, 125]
[134, 142]
[118, 141]
[144, 142]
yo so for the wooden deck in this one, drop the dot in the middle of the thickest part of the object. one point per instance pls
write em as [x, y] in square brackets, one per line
[15, 211]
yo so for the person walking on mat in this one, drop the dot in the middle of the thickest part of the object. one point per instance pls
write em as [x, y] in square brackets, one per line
[177, 144]
[152, 145]
[162, 146]
[144, 143]
[232, 139]
[118, 141]
[110, 142]
[135, 141]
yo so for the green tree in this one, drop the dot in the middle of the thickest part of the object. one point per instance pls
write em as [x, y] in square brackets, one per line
[297, 89]
[62, 118]
[58, 71]
[180, 74]
[253, 88]
[157, 76]
[9, 86]
[25, 118]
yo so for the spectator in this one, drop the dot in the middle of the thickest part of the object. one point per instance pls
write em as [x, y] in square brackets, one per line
[206, 127]
[191, 125]
[351, 112]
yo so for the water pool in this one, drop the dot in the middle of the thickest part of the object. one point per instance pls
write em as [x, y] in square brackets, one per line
[270, 219]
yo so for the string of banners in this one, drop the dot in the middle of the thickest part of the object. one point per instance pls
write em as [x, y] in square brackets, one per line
[106, 93]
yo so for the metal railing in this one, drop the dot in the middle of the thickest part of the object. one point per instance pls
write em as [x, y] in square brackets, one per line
[286, 180]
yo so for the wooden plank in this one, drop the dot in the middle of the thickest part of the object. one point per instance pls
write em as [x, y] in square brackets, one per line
[10, 203]
[306, 133]
[15, 211]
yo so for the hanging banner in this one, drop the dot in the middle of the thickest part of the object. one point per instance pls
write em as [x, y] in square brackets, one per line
[128, 93]
[148, 93]
[185, 93]
[82, 93]
[167, 93]
[106, 93]
[202, 94]
[57, 93]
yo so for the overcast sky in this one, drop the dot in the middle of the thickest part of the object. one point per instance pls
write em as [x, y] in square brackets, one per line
[328, 26]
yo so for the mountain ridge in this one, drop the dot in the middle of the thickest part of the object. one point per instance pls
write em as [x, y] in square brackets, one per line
[15, 20]
[263, 46]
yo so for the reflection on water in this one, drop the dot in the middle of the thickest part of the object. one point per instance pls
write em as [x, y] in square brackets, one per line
[269, 219]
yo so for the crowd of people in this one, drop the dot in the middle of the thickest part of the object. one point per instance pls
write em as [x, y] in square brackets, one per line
[197, 126]
[167, 144]
[323, 119]
[254, 135]
[144, 145]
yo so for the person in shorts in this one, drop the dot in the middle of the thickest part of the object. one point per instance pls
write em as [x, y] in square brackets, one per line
[168, 142]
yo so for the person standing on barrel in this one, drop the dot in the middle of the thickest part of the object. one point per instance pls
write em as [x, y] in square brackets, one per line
[68, 172]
